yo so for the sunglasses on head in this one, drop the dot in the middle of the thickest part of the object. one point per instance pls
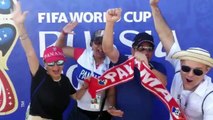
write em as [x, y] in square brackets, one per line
[187, 69]
[58, 63]
[99, 33]
[145, 48]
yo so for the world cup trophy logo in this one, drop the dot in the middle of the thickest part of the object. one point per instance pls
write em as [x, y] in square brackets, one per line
[8, 38]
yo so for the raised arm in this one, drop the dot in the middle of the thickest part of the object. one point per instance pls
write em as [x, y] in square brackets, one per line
[19, 18]
[163, 30]
[112, 16]
[60, 42]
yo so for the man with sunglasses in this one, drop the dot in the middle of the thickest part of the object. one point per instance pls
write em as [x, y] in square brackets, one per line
[191, 87]
[132, 98]
[144, 43]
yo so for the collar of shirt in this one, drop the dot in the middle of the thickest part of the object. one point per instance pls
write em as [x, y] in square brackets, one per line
[201, 89]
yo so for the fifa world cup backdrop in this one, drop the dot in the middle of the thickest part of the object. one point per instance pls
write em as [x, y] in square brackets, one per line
[191, 22]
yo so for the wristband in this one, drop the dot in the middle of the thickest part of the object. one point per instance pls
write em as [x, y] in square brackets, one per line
[151, 66]
[23, 36]
[111, 107]
[63, 32]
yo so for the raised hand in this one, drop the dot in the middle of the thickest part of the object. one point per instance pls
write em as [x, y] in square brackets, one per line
[18, 16]
[68, 28]
[113, 15]
[141, 57]
[154, 2]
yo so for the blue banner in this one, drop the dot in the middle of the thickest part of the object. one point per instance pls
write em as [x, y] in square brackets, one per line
[191, 22]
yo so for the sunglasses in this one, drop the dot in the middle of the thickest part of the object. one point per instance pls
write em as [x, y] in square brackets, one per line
[97, 42]
[58, 63]
[145, 48]
[187, 69]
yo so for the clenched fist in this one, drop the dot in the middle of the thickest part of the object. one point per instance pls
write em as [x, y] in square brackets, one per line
[113, 15]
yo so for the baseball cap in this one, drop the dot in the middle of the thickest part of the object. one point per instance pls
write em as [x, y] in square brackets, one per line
[52, 54]
[98, 36]
[141, 38]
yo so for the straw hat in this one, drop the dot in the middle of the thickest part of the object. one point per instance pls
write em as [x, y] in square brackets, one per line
[195, 54]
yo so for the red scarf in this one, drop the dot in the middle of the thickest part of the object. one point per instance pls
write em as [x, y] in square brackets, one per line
[125, 72]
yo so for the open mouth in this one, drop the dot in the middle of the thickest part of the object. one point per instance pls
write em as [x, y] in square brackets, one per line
[188, 80]
[56, 71]
[100, 53]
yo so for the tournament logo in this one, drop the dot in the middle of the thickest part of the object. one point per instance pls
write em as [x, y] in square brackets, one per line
[8, 38]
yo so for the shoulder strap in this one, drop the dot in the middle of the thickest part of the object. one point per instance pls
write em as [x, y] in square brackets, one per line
[34, 92]
[177, 71]
[204, 101]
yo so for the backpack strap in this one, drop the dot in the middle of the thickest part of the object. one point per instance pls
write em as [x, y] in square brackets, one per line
[177, 71]
[35, 91]
[32, 96]
[204, 101]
